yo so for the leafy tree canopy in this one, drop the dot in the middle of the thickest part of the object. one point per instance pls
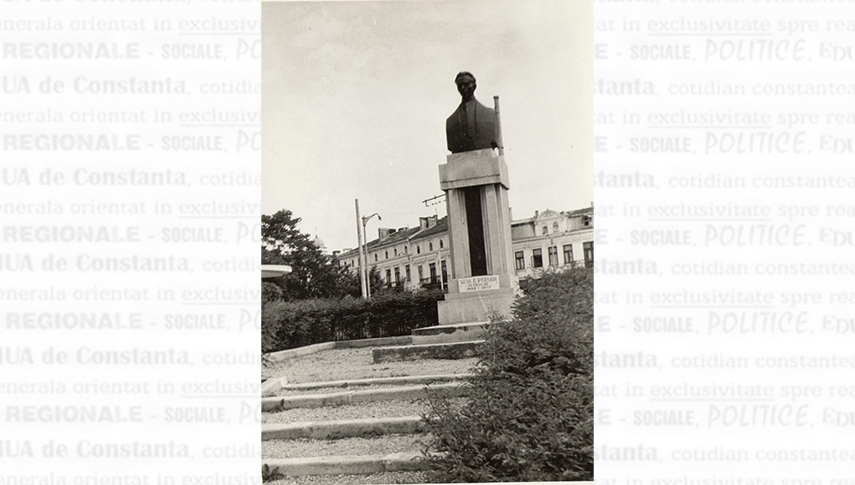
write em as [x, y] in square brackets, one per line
[313, 273]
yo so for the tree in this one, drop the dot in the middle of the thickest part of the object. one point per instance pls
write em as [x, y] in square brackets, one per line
[378, 286]
[313, 273]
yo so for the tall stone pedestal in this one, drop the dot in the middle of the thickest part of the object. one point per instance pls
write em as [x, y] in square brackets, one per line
[482, 273]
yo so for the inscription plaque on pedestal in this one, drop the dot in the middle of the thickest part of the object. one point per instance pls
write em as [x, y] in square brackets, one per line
[478, 283]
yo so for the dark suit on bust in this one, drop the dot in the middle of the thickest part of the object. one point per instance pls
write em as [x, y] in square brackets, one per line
[472, 126]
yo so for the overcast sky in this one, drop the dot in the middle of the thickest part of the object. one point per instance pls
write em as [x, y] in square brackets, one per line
[355, 97]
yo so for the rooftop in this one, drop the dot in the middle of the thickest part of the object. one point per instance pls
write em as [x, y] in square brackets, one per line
[552, 213]
[408, 234]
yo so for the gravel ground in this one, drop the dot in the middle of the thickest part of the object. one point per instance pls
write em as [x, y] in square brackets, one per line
[341, 364]
[379, 478]
[381, 445]
[378, 409]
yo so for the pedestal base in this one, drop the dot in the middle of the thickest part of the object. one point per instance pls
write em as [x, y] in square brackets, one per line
[475, 306]
[483, 281]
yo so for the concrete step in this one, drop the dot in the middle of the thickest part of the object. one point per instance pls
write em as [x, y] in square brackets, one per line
[376, 381]
[343, 344]
[457, 350]
[370, 479]
[451, 389]
[328, 430]
[343, 465]
[443, 334]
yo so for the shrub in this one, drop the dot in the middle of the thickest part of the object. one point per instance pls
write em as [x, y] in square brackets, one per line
[287, 325]
[270, 292]
[531, 408]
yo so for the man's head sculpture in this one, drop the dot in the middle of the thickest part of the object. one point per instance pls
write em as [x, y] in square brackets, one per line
[466, 85]
[472, 126]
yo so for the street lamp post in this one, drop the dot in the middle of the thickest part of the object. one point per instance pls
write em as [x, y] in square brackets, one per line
[362, 257]
[365, 236]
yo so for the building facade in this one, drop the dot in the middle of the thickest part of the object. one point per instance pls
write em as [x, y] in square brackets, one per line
[413, 258]
[553, 240]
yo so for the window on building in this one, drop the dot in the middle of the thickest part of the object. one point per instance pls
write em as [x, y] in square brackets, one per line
[586, 221]
[554, 227]
[396, 251]
[406, 250]
[433, 272]
[375, 257]
[430, 246]
[418, 250]
[444, 272]
[409, 275]
[553, 256]
[388, 275]
[536, 258]
[588, 249]
[387, 254]
[519, 257]
[544, 231]
[440, 244]
[397, 275]
[568, 254]
[421, 272]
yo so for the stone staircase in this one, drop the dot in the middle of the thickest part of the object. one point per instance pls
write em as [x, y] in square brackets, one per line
[365, 430]
[377, 446]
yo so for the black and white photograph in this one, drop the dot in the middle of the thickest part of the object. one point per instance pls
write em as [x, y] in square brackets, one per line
[432, 178]
[427, 242]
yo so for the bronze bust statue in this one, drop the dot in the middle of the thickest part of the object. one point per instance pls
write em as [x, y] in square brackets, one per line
[472, 126]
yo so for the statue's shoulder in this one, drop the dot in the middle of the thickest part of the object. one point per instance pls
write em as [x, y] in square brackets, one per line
[482, 111]
[454, 117]
[481, 108]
